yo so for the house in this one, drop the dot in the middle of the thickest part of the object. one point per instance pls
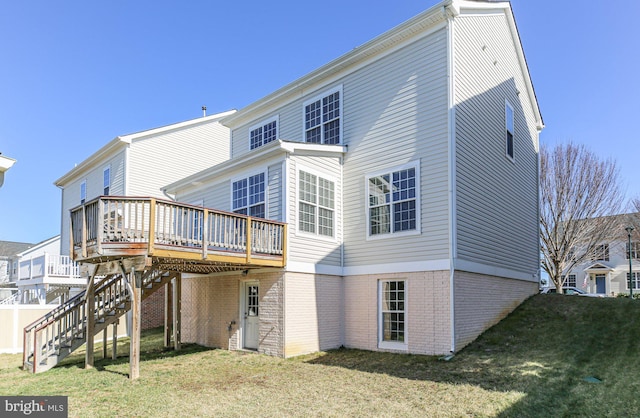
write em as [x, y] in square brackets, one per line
[5, 164]
[386, 201]
[44, 276]
[9, 259]
[606, 270]
[406, 171]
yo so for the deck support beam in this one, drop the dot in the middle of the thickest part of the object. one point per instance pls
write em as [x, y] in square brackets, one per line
[168, 316]
[114, 343]
[176, 308]
[91, 321]
[136, 305]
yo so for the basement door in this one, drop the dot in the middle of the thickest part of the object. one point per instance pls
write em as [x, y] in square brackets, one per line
[251, 310]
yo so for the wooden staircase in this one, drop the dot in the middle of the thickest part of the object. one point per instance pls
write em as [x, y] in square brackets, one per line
[57, 334]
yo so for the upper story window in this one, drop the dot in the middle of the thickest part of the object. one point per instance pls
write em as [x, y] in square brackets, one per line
[248, 196]
[106, 175]
[322, 118]
[316, 204]
[263, 133]
[393, 201]
[83, 192]
[509, 124]
[635, 250]
[600, 253]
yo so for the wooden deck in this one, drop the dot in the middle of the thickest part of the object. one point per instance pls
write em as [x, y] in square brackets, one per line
[184, 238]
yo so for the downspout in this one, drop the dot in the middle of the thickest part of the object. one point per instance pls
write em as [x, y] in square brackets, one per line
[452, 171]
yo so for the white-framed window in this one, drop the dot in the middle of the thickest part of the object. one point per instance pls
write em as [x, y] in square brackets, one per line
[248, 196]
[569, 280]
[509, 129]
[600, 253]
[635, 280]
[392, 314]
[316, 204]
[393, 205]
[635, 250]
[263, 133]
[322, 118]
[83, 192]
[106, 181]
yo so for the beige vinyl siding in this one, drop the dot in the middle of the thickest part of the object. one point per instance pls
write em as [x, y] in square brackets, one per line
[313, 313]
[395, 113]
[274, 192]
[159, 160]
[306, 247]
[95, 188]
[496, 197]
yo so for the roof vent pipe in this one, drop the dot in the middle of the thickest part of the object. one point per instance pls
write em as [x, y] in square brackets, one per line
[204, 111]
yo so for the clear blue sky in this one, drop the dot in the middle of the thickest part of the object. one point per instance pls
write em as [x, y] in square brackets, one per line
[75, 74]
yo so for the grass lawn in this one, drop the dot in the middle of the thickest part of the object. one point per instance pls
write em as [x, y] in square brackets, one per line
[532, 364]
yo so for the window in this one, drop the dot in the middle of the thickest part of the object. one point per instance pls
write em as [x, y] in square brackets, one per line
[570, 280]
[83, 192]
[393, 205]
[392, 314]
[248, 196]
[600, 253]
[635, 250]
[263, 134]
[322, 119]
[106, 174]
[635, 280]
[316, 204]
[509, 124]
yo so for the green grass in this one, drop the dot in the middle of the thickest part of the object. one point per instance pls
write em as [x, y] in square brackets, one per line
[532, 364]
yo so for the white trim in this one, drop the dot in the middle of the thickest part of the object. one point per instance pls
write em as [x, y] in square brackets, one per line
[393, 345]
[318, 174]
[507, 107]
[318, 97]
[473, 267]
[262, 124]
[408, 267]
[453, 218]
[255, 172]
[312, 268]
[108, 167]
[390, 170]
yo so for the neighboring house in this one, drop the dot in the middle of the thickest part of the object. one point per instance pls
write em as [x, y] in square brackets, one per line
[140, 164]
[5, 164]
[606, 271]
[399, 187]
[407, 173]
[9, 260]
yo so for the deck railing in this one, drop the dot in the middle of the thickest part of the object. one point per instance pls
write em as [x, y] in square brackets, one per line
[110, 220]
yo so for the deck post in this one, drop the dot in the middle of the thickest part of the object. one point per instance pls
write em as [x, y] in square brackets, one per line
[114, 341]
[168, 316]
[177, 293]
[134, 348]
[152, 226]
[105, 342]
[84, 231]
[90, 327]
[249, 239]
[205, 232]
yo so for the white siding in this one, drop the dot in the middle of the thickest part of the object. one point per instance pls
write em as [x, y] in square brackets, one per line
[305, 247]
[496, 197]
[95, 188]
[396, 112]
[159, 160]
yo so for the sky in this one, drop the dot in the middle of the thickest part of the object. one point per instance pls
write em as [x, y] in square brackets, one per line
[76, 74]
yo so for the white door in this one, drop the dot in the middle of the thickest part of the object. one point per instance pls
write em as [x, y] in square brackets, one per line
[251, 311]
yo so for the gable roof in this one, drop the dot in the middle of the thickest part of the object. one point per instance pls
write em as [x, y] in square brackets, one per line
[399, 35]
[12, 248]
[123, 141]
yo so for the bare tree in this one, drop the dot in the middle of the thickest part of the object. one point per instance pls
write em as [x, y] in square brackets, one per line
[579, 196]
